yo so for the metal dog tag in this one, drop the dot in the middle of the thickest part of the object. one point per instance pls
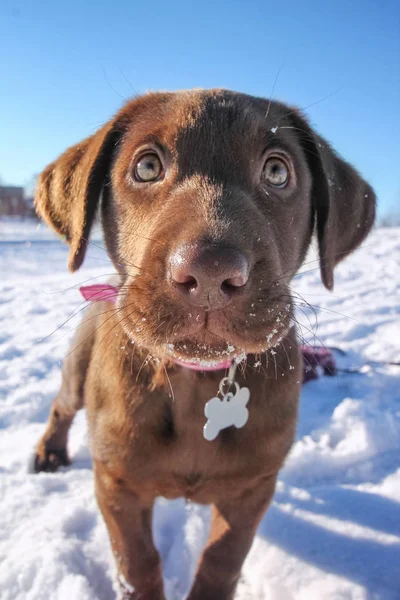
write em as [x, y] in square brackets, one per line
[229, 410]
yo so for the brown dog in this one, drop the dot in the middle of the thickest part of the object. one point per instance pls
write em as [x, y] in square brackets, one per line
[209, 203]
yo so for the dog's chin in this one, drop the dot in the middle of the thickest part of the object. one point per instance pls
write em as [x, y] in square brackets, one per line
[212, 349]
[212, 341]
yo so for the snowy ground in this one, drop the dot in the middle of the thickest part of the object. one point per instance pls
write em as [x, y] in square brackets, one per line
[333, 531]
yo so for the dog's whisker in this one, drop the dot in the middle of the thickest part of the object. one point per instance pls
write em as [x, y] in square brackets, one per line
[334, 312]
[148, 239]
[312, 326]
[129, 83]
[114, 312]
[310, 105]
[142, 366]
[77, 285]
[111, 87]
[287, 355]
[276, 368]
[169, 382]
[75, 312]
[122, 260]
[313, 334]
[316, 307]
[125, 318]
[296, 272]
[273, 88]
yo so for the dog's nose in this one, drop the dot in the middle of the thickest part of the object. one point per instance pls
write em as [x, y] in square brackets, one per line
[208, 276]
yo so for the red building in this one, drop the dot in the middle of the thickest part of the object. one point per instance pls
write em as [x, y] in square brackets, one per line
[12, 201]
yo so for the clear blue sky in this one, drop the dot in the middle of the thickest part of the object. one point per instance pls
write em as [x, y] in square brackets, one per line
[66, 67]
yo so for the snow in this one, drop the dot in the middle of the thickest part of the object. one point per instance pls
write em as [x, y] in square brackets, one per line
[333, 530]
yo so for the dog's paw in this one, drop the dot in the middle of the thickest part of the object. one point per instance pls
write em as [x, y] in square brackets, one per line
[50, 460]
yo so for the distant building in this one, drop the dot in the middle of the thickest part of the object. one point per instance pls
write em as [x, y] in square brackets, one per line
[12, 201]
[30, 207]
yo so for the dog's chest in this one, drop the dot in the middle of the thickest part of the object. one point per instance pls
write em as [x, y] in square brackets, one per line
[171, 457]
[156, 442]
[189, 466]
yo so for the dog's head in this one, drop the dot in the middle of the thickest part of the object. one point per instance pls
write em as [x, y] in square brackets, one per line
[209, 203]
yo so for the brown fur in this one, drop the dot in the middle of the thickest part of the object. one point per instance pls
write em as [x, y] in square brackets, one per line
[145, 414]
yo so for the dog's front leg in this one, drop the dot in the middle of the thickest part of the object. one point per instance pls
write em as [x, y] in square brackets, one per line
[129, 519]
[234, 524]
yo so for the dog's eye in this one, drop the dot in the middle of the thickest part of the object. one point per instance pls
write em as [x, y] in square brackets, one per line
[148, 168]
[276, 172]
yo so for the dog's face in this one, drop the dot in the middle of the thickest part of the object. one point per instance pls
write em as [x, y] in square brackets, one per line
[210, 199]
[215, 209]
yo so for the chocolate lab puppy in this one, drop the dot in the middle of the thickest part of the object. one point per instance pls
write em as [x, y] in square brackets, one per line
[208, 201]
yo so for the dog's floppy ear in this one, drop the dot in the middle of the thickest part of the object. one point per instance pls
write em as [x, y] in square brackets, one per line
[343, 202]
[68, 190]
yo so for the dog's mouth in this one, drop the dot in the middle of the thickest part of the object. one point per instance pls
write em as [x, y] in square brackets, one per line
[211, 352]
[215, 343]
[203, 339]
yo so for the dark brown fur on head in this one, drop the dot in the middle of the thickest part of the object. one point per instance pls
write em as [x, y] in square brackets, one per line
[213, 145]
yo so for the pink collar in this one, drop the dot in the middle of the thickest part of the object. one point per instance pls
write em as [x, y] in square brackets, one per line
[99, 292]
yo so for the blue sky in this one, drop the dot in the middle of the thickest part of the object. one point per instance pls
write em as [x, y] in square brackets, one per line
[66, 67]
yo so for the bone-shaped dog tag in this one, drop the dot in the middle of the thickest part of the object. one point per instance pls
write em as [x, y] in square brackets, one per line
[225, 412]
